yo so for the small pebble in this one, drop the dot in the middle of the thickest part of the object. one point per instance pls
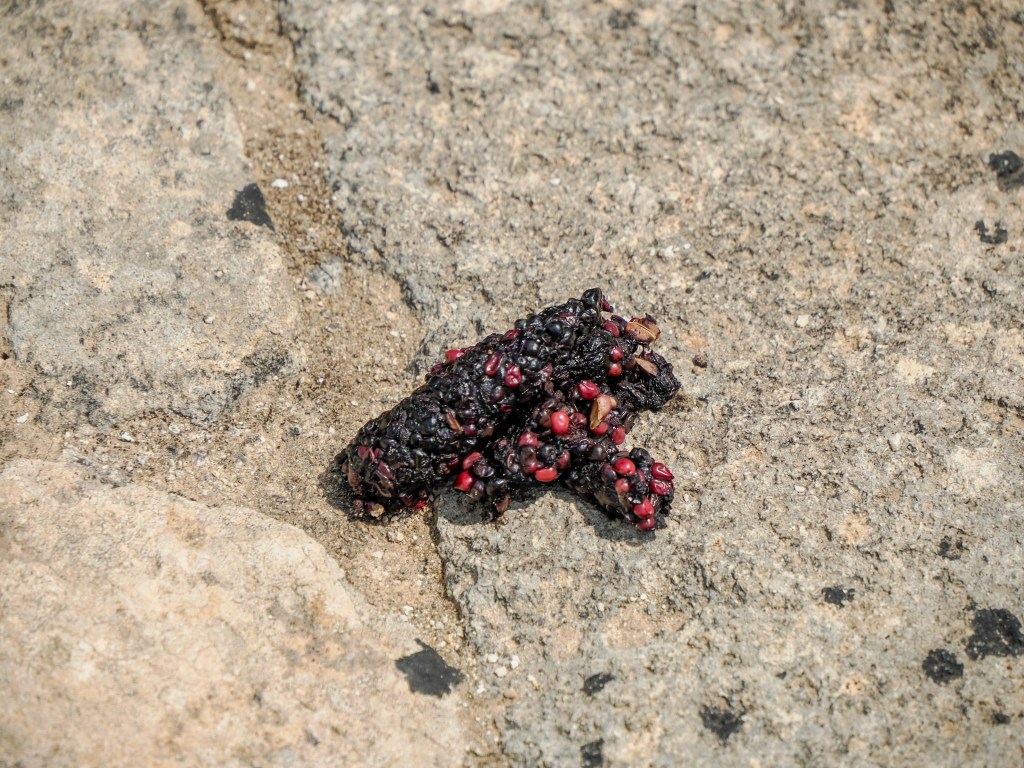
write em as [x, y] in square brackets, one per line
[895, 441]
[126, 437]
[802, 321]
[279, 184]
[492, 658]
[209, 319]
[22, 419]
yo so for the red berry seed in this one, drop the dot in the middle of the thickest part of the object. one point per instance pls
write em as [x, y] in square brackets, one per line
[622, 486]
[611, 327]
[452, 355]
[513, 377]
[559, 422]
[644, 509]
[646, 523]
[625, 467]
[464, 482]
[529, 438]
[660, 471]
[588, 390]
[471, 459]
[546, 474]
[618, 436]
[615, 369]
[615, 353]
[601, 428]
[661, 487]
[563, 460]
[579, 419]
[491, 364]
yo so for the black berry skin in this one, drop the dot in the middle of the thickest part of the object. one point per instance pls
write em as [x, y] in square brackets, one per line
[549, 401]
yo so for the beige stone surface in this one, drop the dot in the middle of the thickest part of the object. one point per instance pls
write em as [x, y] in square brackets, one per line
[141, 628]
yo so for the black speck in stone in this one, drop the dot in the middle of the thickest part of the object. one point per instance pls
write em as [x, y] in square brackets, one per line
[428, 673]
[998, 238]
[721, 722]
[596, 683]
[949, 549]
[1005, 164]
[251, 206]
[942, 666]
[592, 754]
[997, 632]
[1000, 718]
[837, 595]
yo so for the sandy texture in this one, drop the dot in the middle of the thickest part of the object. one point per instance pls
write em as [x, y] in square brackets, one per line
[822, 205]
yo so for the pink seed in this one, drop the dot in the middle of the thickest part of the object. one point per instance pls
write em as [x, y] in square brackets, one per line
[563, 460]
[646, 523]
[660, 471]
[611, 327]
[644, 509]
[579, 419]
[615, 369]
[588, 390]
[559, 422]
[546, 475]
[601, 428]
[464, 482]
[622, 486]
[469, 430]
[625, 467]
[615, 353]
[471, 459]
[452, 355]
[491, 364]
[511, 335]
[661, 487]
[513, 377]
[618, 435]
[529, 438]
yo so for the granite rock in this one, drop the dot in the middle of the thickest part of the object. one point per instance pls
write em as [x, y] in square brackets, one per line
[805, 198]
[126, 284]
[141, 628]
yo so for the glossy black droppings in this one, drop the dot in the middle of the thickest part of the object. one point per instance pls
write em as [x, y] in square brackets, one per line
[428, 673]
[250, 205]
[942, 666]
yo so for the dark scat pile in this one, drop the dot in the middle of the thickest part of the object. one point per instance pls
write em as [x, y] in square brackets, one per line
[549, 401]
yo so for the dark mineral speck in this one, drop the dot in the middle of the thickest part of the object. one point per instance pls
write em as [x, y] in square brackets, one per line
[942, 666]
[837, 595]
[250, 205]
[998, 237]
[721, 722]
[997, 632]
[1005, 164]
[428, 673]
[596, 683]
[592, 754]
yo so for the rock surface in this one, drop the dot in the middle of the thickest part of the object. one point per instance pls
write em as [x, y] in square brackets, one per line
[822, 205]
[126, 283]
[141, 628]
[814, 218]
